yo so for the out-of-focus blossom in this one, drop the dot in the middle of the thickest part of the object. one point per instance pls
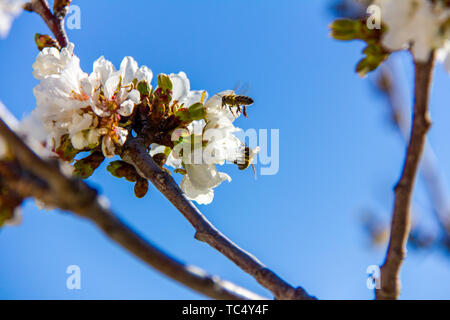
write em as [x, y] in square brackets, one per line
[9, 10]
[421, 25]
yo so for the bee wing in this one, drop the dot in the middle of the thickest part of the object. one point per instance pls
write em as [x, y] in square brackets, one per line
[224, 93]
[237, 86]
[243, 90]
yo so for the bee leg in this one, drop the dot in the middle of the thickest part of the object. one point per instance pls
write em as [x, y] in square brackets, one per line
[232, 112]
[254, 171]
[245, 111]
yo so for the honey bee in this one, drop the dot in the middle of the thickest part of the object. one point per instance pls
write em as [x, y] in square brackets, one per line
[239, 101]
[245, 159]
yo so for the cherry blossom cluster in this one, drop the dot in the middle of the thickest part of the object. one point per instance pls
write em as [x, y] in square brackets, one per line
[85, 108]
[98, 112]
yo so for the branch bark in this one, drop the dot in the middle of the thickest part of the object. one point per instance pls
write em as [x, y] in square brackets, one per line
[430, 170]
[135, 153]
[54, 23]
[44, 181]
[401, 220]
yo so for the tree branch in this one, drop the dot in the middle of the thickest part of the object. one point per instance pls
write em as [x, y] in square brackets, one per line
[54, 23]
[401, 220]
[430, 170]
[135, 153]
[47, 183]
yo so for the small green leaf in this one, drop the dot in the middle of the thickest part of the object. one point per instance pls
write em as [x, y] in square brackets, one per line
[65, 150]
[45, 41]
[197, 111]
[164, 82]
[183, 114]
[194, 112]
[375, 55]
[85, 167]
[180, 171]
[144, 88]
[346, 29]
[121, 169]
[113, 168]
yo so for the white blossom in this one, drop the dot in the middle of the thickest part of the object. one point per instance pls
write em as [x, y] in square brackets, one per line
[144, 74]
[51, 61]
[62, 94]
[181, 90]
[86, 107]
[199, 161]
[200, 180]
[415, 24]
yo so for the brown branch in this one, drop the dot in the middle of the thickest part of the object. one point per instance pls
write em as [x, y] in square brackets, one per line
[47, 183]
[401, 220]
[430, 170]
[135, 153]
[54, 23]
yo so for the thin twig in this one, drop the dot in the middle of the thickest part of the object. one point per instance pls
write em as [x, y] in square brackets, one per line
[401, 219]
[44, 182]
[55, 24]
[135, 153]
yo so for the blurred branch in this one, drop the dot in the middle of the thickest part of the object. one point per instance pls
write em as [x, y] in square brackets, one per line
[401, 220]
[135, 152]
[35, 177]
[429, 168]
[54, 22]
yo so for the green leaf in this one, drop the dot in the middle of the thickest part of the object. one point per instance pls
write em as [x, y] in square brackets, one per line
[183, 114]
[45, 41]
[375, 55]
[181, 171]
[197, 111]
[346, 29]
[65, 150]
[164, 82]
[113, 168]
[144, 88]
[85, 167]
[121, 169]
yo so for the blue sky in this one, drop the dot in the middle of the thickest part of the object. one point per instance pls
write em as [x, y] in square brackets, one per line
[338, 155]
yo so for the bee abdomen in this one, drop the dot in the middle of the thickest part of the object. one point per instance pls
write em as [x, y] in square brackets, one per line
[244, 100]
[236, 100]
